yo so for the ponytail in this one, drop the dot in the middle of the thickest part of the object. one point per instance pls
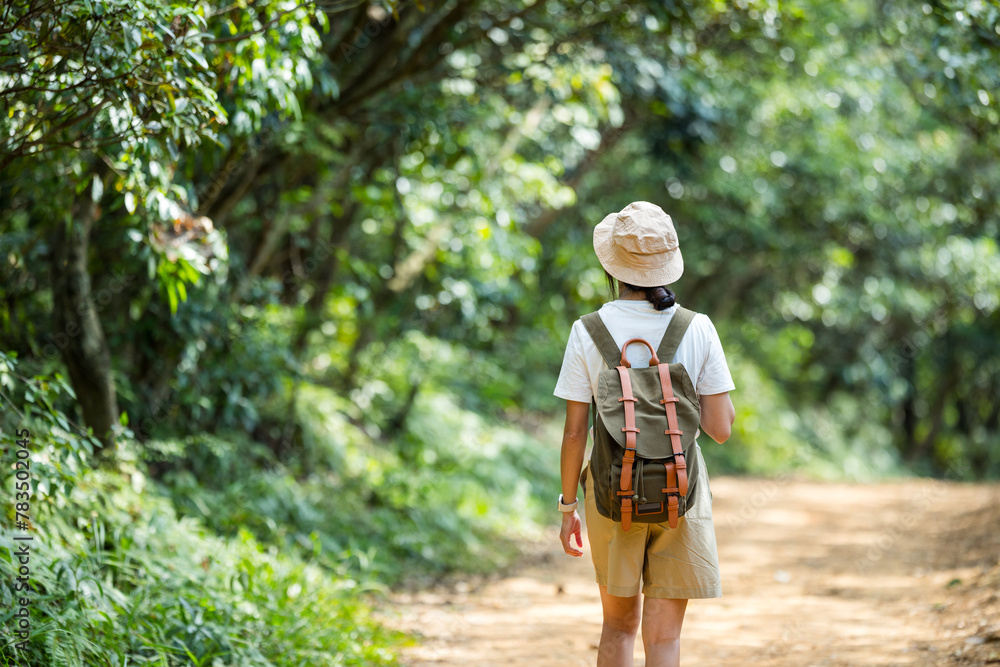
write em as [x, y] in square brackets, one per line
[661, 297]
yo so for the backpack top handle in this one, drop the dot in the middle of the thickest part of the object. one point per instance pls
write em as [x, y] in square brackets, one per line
[654, 361]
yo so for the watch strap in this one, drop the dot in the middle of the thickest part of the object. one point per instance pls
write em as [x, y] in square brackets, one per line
[563, 507]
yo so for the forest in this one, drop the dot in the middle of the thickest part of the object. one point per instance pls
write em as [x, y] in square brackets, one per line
[285, 286]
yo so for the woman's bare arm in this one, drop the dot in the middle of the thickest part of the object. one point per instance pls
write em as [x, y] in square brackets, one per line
[717, 416]
[574, 446]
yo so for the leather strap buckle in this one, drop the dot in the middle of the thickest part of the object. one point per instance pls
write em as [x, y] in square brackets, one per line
[672, 510]
[626, 513]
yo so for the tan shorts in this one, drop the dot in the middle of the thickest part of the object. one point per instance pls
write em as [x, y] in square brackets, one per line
[672, 563]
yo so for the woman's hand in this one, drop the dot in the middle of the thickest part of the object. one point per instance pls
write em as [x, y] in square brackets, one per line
[571, 527]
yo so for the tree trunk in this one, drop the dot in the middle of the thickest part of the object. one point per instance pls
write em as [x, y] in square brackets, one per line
[943, 392]
[909, 421]
[312, 315]
[77, 330]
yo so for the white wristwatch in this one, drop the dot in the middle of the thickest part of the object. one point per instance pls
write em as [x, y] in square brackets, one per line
[567, 508]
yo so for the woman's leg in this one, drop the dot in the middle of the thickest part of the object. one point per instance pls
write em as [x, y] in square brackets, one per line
[661, 631]
[621, 624]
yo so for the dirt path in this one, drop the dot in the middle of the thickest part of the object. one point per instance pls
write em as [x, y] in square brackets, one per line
[813, 574]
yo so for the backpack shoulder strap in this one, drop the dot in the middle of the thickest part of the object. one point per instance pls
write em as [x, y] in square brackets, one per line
[675, 332]
[602, 339]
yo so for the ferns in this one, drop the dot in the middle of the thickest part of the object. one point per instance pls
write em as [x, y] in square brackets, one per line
[64, 648]
[117, 578]
[162, 592]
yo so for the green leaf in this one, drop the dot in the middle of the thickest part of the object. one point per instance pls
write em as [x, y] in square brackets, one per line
[130, 203]
[96, 189]
[198, 58]
[127, 38]
[172, 298]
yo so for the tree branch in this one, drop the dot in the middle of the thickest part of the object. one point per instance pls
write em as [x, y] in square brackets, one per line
[609, 138]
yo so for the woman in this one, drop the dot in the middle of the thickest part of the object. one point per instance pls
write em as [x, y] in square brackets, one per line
[639, 251]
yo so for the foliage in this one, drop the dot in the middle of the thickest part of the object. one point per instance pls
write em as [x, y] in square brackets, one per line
[319, 260]
[427, 504]
[897, 257]
[117, 577]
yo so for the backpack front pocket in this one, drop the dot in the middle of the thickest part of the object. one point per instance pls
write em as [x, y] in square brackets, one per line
[652, 490]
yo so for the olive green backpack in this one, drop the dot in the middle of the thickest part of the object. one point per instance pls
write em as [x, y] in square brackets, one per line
[645, 420]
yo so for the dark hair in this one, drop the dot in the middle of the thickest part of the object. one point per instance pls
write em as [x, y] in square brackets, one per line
[661, 297]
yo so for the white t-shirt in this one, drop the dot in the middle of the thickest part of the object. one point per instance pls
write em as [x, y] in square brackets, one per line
[700, 350]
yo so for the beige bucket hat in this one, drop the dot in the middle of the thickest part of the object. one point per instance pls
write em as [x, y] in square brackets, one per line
[638, 245]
